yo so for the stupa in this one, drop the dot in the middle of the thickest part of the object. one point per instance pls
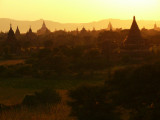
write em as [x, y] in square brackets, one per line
[110, 27]
[134, 39]
[43, 29]
[17, 33]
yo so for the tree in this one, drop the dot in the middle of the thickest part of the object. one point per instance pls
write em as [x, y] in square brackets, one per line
[91, 103]
[137, 89]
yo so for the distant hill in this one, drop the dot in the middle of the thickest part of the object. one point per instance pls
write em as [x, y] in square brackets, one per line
[117, 23]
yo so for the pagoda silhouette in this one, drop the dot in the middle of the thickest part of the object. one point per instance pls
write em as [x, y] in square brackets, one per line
[156, 27]
[134, 39]
[43, 29]
[11, 44]
[11, 36]
[30, 35]
[17, 33]
[110, 27]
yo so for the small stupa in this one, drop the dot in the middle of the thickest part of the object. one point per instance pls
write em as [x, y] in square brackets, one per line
[110, 27]
[17, 33]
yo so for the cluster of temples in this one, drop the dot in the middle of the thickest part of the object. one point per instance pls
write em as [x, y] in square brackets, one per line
[41, 31]
[11, 43]
[133, 41]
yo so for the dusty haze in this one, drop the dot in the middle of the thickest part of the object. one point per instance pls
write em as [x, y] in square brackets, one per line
[35, 25]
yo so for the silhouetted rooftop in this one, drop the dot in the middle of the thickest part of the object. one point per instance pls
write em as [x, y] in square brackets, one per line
[134, 36]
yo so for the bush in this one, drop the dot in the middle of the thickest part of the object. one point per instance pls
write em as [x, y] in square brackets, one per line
[45, 97]
[137, 89]
[91, 103]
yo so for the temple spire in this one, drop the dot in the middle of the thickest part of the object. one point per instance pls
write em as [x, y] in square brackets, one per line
[44, 24]
[134, 18]
[10, 26]
[30, 30]
[155, 26]
[11, 35]
[134, 38]
[43, 29]
[110, 27]
[17, 31]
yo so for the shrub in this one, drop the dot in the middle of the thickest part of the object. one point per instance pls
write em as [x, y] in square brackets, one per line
[137, 89]
[45, 97]
[91, 103]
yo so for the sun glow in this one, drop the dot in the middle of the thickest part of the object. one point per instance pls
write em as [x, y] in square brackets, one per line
[79, 10]
[143, 4]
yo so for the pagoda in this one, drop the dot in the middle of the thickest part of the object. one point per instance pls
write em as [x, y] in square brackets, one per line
[30, 31]
[30, 35]
[11, 42]
[110, 27]
[43, 29]
[134, 39]
[17, 33]
[11, 36]
[156, 27]
[83, 30]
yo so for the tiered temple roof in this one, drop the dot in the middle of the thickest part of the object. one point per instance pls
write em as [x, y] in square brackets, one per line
[43, 29]
[11, 35]
[134, 38]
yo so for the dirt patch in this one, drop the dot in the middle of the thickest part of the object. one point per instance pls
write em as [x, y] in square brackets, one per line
[11, 62]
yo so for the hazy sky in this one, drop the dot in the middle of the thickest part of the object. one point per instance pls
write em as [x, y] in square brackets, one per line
[67, 11]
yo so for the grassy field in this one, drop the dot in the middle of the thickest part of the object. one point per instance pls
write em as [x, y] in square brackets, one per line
[13, 90]
[60, 111]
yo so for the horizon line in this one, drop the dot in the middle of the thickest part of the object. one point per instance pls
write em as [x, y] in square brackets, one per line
[77, 22]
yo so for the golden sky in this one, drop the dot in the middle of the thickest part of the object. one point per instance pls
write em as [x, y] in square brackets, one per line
[75, 11]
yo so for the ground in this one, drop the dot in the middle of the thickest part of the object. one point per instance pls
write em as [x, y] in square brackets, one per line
[13, 90]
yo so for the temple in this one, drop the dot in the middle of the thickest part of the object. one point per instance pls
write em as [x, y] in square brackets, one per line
[11, 42]
[30, 35]
[134, 39]
[43, 29]
[156, 27]
[17, 33]
[11, 35]
[30, 31]
[83, 30]
[110, 27]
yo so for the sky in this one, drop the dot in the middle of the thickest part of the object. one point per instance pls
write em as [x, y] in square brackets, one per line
[79, 11]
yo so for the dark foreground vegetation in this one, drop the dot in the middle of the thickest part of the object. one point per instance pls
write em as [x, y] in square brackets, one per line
[104, 79]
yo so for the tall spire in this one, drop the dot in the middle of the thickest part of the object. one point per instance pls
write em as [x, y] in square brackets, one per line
[10, 26]
[134, 18]
[44, 25]
[134, 36]
[110, 27]
[30, 30]
[155, 26]
[11, 35]
[17, 31]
